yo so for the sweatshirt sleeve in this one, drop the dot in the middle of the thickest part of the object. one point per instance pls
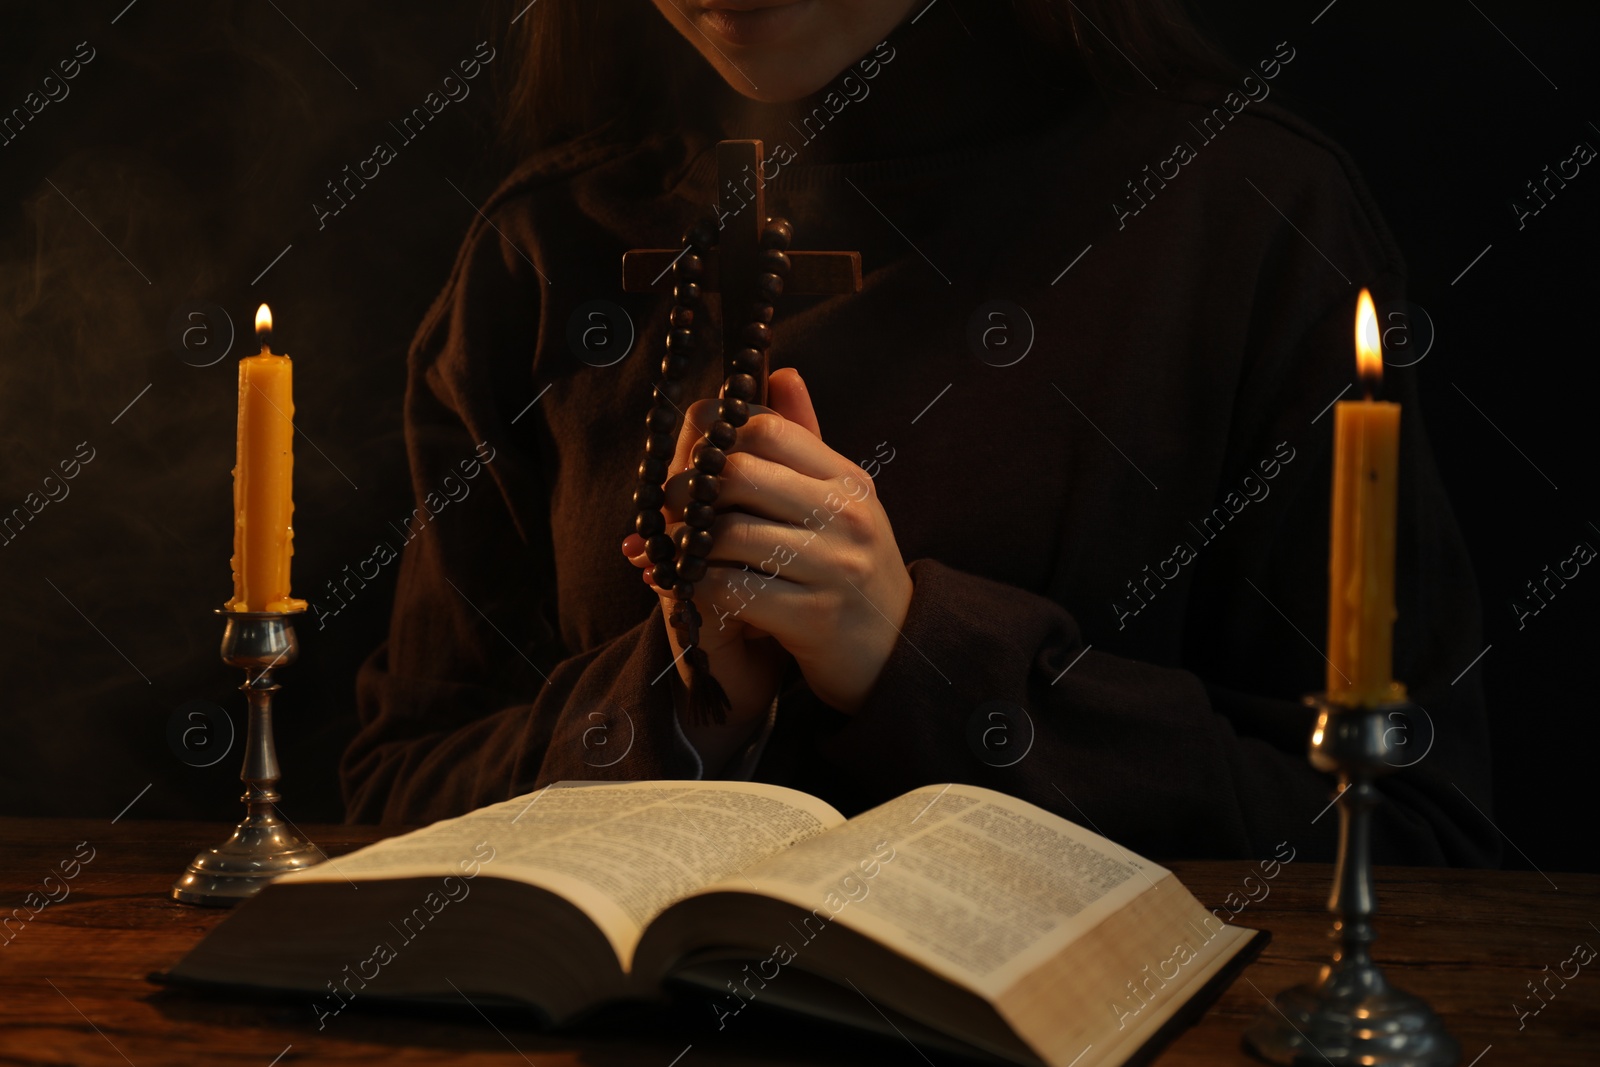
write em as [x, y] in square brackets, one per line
[1204, 752]
[996, 686]
[473, 697]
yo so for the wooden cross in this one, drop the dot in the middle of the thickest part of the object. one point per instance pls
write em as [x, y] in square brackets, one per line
[731, 266]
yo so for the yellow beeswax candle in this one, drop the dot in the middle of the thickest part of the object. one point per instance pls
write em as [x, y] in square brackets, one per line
[263, 505]
[1361, 612]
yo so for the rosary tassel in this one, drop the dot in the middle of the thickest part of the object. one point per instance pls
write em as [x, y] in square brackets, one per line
[708, 701]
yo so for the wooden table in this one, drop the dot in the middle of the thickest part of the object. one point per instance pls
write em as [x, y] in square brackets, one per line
[73, 986]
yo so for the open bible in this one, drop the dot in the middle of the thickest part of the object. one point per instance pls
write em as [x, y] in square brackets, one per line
[960, 911]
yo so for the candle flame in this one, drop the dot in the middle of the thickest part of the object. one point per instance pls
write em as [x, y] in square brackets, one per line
[1369, 347]
[264, 326]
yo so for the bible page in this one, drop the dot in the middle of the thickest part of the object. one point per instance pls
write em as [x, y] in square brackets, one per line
[621, 851]
[974, 885]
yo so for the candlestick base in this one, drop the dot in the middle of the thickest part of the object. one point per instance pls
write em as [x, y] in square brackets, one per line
[262, 846]
[1351, 1014]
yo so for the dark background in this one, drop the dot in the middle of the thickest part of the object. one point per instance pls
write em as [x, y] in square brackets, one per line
[200, 134]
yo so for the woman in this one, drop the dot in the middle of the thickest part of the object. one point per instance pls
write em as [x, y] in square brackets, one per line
[1069, 441]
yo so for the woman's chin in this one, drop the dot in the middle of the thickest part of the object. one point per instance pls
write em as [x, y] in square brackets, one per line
[776, 52]
[773, 90]
[781, 77]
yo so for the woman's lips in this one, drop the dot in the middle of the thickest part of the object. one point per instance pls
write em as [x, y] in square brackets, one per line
[751, 24]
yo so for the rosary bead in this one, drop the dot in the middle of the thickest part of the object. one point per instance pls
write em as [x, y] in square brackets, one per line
[653, 471]
[740, 387]
[757, 335]
[693, 542]
[659, 548]
[662, 419]
[704, 487]
[770, 286]
[778, 234]
[648, 497]
[709, 459]
[775, 261]
[674, 365]
[702, 235]
[699, 515]
[746, 361]
[689, 268]
[679, 559]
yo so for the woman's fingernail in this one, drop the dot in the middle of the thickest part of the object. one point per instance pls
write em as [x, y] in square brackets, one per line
[632, 545]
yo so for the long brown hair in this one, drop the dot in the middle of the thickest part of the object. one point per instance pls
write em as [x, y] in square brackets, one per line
[580, 64]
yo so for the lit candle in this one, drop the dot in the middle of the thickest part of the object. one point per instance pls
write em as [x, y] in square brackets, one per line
[1366, 436]
[263, 508]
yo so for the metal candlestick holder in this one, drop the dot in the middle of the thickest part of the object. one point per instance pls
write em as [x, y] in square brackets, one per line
[1351, 1014]
[262, 846]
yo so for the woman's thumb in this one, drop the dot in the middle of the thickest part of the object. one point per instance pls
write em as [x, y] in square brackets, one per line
[788, 396]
